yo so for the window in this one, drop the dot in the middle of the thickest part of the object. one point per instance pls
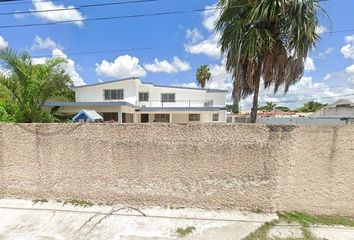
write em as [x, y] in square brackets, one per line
[162, 118]
[194, 117]
[168, 97]
[343, 105]
[115, 94]
[143, 97]
[110, 116]
[215, 117]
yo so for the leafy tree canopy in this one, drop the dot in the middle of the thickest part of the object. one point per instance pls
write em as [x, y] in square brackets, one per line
[266, 39]
[203, 75]
[27, 86]
[311, 106]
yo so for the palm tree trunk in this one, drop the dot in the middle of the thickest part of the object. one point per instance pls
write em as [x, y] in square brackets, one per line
[255, 104]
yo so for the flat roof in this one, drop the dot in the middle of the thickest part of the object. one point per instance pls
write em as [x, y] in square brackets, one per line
[157, 85]
[84, 104]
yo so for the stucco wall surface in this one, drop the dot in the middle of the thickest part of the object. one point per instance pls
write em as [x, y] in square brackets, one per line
[214, 166]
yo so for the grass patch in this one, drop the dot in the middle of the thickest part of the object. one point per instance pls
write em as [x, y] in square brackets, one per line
[259, 211]
[78, 203]
[262, 232]
[305, 220]
[176, 208]
[42, 200]
[182, 232]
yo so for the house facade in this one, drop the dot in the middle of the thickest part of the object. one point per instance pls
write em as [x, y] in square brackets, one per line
[132, 101]
[343, 108]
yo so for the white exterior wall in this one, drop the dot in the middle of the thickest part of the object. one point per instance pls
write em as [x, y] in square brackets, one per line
[335, 111]
[184, 97]
[96, 93]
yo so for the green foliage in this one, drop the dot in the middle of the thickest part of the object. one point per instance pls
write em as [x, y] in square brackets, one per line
[234, 108]
[268, 40]
[182, 232]
[311, 106]
[282, 108]
[262, 232]
[78, 203]
[306, 219]
[269, 107]
[203, 75]
[31, 85]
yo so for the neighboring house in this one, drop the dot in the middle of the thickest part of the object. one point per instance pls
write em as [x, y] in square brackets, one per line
[132, 101]
[342, 108]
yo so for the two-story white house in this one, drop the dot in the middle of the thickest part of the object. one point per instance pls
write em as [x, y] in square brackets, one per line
[132, 101]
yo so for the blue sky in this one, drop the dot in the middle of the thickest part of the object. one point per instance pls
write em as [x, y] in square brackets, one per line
[330, 68]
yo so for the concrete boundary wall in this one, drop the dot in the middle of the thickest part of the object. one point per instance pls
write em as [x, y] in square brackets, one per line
[213, 166]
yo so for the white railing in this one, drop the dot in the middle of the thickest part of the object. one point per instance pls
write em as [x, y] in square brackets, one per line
[177, 103]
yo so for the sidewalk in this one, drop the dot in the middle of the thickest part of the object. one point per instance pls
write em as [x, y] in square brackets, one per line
[21, 220]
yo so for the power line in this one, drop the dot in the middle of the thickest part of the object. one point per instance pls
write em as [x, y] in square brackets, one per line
[113, 50]
[121, 17]
[79, 7]
[112, 17]
[19, 2]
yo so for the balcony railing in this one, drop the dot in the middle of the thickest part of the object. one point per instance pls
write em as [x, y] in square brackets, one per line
[177, 103]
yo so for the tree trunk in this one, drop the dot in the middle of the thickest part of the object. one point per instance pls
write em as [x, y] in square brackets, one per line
[255, 104]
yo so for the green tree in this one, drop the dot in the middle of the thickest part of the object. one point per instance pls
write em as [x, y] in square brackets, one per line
[311, 106]
[203, 75]
[31, 85]
[236, 108]
[282, 108]
[268, 39]
[269, 107]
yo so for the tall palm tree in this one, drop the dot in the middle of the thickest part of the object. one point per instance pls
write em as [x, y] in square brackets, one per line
[31, 85]
[266, 39]
[203, 75]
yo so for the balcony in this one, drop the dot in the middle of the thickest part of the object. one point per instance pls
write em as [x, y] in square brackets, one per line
[177, 103]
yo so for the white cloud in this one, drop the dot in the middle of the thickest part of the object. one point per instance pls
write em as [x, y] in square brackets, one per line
[221, 79]
[177, 65]
[321, 29]
[350, 72]
[194, 35]
[310, 64]
[53, 16]
[3, 43]
[47, 43]
[210, 17]
[19, 15]
[122, 67]
[305, 89]
[208, 47]
[348, 49]
[325, 53]
[70, 66]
